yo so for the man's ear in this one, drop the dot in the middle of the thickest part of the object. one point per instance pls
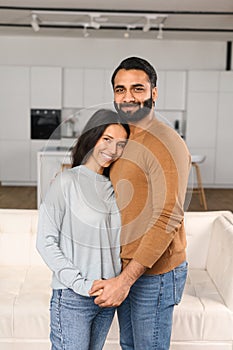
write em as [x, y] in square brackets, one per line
[154, 93]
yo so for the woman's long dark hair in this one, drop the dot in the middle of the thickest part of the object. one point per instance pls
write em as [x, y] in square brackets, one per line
[92, 132]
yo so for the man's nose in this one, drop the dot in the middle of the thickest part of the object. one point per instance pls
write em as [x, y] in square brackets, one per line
[128, 96]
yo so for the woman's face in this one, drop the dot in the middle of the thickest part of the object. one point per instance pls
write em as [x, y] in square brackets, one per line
[108, 148]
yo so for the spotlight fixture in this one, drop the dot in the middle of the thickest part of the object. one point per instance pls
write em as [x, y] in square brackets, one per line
[35, 22]
[160, 33]
[126, 33]
[146, 27]
[85, 32]
[93, 23]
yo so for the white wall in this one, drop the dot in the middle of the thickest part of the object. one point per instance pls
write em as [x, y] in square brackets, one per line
[106, 53]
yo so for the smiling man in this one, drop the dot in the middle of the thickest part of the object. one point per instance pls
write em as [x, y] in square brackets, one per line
[150, 181]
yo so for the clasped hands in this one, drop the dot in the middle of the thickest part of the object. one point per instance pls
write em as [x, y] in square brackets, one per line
[111, 292]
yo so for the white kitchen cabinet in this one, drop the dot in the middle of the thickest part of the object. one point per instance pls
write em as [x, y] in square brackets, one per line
[108, 96]
[175, 92]
[171, 90]
[15, 161]
[226, 81]
[224, 159]
[202, 119]
[160, 102]
[94, 81]
[15, 103]
[73, 88]
[46, 87]
[201, 124]
[203, 81]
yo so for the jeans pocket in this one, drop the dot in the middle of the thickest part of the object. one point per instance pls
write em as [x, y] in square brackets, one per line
[180, 275]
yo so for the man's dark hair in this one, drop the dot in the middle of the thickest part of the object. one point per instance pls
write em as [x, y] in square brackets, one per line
[93, 131]
[140, 64]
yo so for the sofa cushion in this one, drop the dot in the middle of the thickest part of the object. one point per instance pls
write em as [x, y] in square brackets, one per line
[202, 314]
[24, 302]
[198, 227]
[220, 258]
[18, 229]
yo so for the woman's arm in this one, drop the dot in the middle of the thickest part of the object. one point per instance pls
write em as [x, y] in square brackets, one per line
[51, 215]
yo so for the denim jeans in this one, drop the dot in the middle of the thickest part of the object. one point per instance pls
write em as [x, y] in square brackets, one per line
[145, 317]
[77, 323]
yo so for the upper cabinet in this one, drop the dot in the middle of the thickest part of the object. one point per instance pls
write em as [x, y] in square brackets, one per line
[202, 108]
[94, 81]
[203, 81]
[108, 89]
[224, 159]
[87, 88]
[15, 103]
[46, 87]
[171, 90]
[72, 88]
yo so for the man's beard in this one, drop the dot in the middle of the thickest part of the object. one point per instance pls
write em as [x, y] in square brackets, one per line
[139, 114]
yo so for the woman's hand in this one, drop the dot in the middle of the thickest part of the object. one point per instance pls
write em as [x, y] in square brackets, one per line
[97, 292]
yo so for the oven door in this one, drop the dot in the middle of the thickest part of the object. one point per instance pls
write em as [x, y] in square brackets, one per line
[45, 124]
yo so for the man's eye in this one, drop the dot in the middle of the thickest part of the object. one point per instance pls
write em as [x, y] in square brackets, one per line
[138, 89]
[119, 90]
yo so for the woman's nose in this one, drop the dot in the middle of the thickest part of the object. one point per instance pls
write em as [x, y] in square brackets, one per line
[112, 147]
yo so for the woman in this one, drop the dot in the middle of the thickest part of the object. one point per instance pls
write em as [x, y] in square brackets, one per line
[78, 235]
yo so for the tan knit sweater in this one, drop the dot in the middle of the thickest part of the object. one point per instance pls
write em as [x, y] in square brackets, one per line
[150, 182]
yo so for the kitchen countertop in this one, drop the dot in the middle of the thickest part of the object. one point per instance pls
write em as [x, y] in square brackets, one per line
[56, 150]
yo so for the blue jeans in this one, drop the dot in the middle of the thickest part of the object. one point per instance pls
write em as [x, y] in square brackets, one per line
[145, 317]
[77, 323]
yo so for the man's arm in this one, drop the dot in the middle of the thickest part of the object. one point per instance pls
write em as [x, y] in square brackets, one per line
[115, 290]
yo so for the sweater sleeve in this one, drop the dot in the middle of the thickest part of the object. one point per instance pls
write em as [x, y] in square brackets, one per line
[51, 215]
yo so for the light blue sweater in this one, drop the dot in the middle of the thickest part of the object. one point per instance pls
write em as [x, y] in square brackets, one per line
[79, 230]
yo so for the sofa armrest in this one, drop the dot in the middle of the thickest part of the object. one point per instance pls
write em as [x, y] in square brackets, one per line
[220, 258]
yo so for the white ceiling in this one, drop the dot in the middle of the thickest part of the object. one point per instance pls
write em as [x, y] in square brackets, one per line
[180, 19]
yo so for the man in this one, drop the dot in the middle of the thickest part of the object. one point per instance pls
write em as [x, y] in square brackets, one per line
[150, 182]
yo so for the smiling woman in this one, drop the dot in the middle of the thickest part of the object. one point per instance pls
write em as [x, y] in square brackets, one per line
[102, 141]
[108, 148]
[78, 234]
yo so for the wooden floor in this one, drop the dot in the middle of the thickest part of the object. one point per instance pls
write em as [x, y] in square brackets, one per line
[19, 197]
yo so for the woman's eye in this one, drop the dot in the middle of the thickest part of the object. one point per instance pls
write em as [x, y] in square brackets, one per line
[121, 144]
[106, 139]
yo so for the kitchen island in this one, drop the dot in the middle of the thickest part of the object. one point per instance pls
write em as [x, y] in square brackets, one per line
[50, 162]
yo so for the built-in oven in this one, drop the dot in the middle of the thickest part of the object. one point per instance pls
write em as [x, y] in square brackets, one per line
[45, 124]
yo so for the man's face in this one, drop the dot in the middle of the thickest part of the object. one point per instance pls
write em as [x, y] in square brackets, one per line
[133, 94]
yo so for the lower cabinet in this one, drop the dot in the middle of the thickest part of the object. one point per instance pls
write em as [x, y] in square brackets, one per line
[15, 161]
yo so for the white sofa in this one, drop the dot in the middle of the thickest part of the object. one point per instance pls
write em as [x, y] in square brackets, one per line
[203, 320]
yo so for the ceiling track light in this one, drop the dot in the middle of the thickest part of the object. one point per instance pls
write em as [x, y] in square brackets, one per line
[146, 27]
[160, 33]
[35, 22]
[93, 23]
[86, 34]
[127, 33]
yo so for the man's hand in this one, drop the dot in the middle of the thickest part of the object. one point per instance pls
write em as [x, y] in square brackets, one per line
[113, 291]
